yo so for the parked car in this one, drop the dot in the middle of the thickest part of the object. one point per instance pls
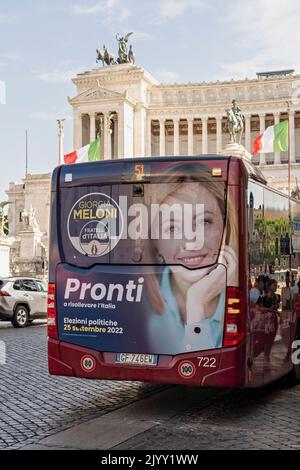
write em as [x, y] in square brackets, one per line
[22, 300]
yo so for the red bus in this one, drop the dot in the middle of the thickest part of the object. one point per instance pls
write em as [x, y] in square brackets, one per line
[161, 270]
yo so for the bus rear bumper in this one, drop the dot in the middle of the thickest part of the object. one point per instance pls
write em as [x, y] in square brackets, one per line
[222, 368]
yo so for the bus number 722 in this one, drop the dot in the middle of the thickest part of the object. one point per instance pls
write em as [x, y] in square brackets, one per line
[207, 362]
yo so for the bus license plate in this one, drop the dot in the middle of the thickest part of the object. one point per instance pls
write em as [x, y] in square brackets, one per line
[136, 359]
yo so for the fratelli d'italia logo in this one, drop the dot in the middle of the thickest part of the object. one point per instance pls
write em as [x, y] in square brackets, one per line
[95, 224]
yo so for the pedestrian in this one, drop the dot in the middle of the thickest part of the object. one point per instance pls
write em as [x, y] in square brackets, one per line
[271, 302]
[258, 290]
[287, 295]
[294, 287]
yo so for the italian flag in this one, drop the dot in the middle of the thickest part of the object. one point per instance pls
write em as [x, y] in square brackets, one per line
[88, 153]
[274, 139]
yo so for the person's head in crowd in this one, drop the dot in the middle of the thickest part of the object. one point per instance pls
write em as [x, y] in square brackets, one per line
[267, 283]
[273, 286]
[261, 284]
[293, 280]
[287, 279]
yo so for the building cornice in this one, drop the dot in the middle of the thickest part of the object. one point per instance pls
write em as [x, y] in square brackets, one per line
[250, 108]
[228, 84]
[95, 93]
[100, 94]
[114, 74]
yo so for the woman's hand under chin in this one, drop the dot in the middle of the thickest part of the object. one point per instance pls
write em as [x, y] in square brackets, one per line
[190, 276]
[201, 294]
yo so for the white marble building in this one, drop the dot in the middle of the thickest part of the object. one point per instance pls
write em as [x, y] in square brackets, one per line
[28, 251]
[137, 116]
[151, 119]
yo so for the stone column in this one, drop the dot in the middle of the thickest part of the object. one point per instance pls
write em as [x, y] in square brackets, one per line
[77, 132]
[139, 130]
[162, 137]
[292, 136]
[248, 132]
[204, 135]
[219, 134]
[6, 244]
[120, 132]
[149, 138]
[176, 137]
[92, 126]
[190, 136]
[106, 146]
[60, 142]
[115, 155]
[277, 159]
[262, 127]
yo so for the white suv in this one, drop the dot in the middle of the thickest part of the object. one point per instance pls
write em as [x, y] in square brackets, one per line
[22, 300]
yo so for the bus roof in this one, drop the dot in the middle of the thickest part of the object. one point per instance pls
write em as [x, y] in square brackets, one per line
[123, 169]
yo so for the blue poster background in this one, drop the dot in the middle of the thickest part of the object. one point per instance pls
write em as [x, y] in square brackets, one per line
[132, 325]
[130, 334]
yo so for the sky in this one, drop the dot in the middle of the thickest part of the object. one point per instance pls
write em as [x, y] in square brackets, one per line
[44, 43]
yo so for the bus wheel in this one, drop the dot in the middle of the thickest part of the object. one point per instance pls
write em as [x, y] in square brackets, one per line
[293, 377]
[21, 317]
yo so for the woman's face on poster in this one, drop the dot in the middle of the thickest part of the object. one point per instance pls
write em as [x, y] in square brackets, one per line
[197, 243]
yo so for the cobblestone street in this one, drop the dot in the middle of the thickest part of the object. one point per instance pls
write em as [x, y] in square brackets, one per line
[39, 411]
[34, 404]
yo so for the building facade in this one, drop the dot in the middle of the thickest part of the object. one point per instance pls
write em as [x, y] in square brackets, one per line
[29, 250]
[135, 115]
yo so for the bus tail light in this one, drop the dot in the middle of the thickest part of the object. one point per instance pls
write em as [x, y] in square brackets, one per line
[51, 309]
[234, 330]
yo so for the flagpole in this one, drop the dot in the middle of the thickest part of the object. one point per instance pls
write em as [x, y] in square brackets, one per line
[289, 187]
[289, 152]
[26, 152]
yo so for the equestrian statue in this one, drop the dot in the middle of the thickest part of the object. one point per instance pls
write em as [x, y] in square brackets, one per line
[235, 123]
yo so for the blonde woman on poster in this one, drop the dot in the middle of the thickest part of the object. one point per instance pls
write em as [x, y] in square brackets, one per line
[188, 296]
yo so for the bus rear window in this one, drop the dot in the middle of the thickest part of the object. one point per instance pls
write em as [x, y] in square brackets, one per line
[178, 220]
